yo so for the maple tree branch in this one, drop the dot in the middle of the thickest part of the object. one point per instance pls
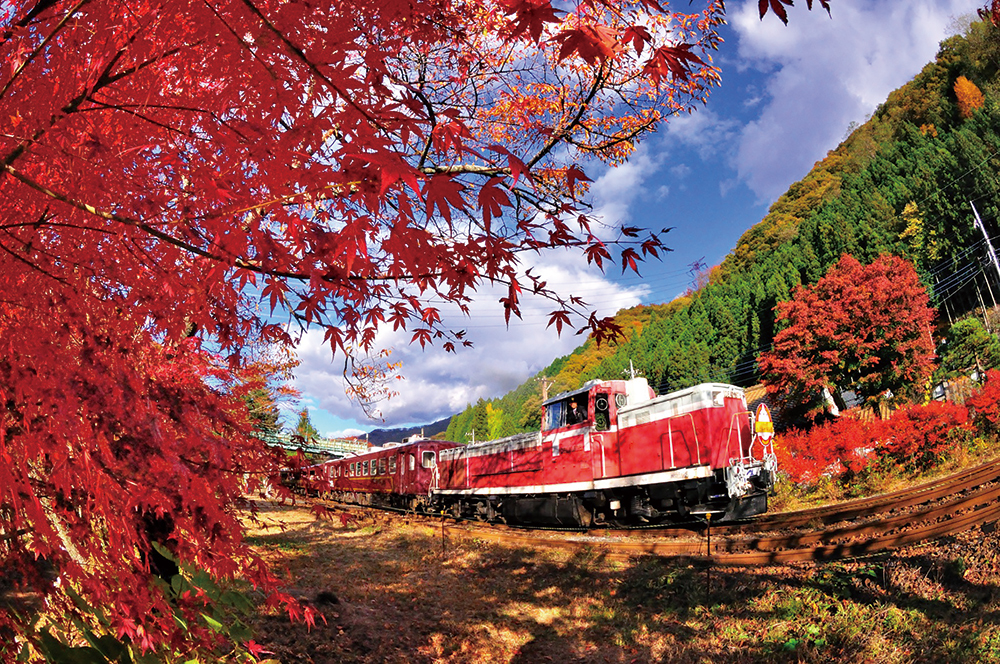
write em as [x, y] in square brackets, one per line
[37, 268]
[104, 106]
[432, 121]
[59, 26]
[30, 16]
[109, 216]
[300, 54]
[613, 140]
[558, 136]
[466, 169]
[107, 79]
[235, 262]
[73, 105]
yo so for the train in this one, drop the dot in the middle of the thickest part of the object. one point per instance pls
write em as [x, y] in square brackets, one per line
[608, 453]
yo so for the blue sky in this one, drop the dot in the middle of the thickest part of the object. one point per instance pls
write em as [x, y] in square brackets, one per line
[788, 95]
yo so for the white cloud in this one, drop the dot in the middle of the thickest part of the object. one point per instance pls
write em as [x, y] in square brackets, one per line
[680, 171]
[825, 73]
[437, 383]
[618, 188]
[702, 130]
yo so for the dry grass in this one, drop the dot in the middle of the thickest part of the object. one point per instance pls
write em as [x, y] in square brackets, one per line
[393, 591]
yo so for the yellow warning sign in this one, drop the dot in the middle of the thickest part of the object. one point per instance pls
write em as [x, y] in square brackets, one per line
[763, 424]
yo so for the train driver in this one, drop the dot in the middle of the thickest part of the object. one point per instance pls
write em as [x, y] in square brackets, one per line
[574, 414]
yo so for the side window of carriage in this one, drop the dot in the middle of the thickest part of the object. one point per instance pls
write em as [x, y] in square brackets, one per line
[428, 459]
[381, 466]
[392, 465]
[413, 462]
[602, 412]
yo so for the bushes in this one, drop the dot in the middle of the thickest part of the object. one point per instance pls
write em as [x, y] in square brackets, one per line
[985, 405]
[917, 436]
[914, 437]
[838, 449]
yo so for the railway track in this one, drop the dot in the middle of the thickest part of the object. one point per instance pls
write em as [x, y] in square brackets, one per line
[847, 530]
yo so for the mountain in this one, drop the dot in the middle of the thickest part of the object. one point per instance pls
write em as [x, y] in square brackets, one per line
[901, 183]
[382, 436]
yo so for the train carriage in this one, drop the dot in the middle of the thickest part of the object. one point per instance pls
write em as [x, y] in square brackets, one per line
[393, 476]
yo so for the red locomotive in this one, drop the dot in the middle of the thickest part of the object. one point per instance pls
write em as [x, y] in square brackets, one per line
[609, 452]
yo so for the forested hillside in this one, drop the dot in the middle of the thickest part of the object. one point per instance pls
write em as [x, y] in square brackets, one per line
[901, 183]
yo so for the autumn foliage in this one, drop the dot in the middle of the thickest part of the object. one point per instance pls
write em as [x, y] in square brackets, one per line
[920, 435]
[183, 179]
[969, 97]
[861, 327]
[985, 405]
[838, 448]
[914, 437]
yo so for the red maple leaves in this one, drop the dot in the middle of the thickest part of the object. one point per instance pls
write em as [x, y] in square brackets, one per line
[992, 11]
[677, 61]
[778, 7]
[184, 180]
[861, 327]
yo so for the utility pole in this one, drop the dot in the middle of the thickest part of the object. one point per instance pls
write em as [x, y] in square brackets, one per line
[944, 301]
[546, 382]
[989, 247]
[986, 318]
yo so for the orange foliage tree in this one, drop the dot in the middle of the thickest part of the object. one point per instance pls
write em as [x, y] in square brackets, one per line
[184, 178]
[969, 96]
[864, 327]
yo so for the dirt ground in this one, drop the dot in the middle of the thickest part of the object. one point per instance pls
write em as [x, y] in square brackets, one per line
[393, 590]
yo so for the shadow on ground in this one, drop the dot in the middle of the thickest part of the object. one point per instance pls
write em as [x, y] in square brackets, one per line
[394, 592]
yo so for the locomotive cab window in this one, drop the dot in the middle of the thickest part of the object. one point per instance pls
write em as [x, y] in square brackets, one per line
[427, 459]
[413, 462]
[554, 416]
[566, 412]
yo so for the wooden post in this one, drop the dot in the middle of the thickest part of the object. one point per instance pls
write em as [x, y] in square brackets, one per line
[708, 571]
